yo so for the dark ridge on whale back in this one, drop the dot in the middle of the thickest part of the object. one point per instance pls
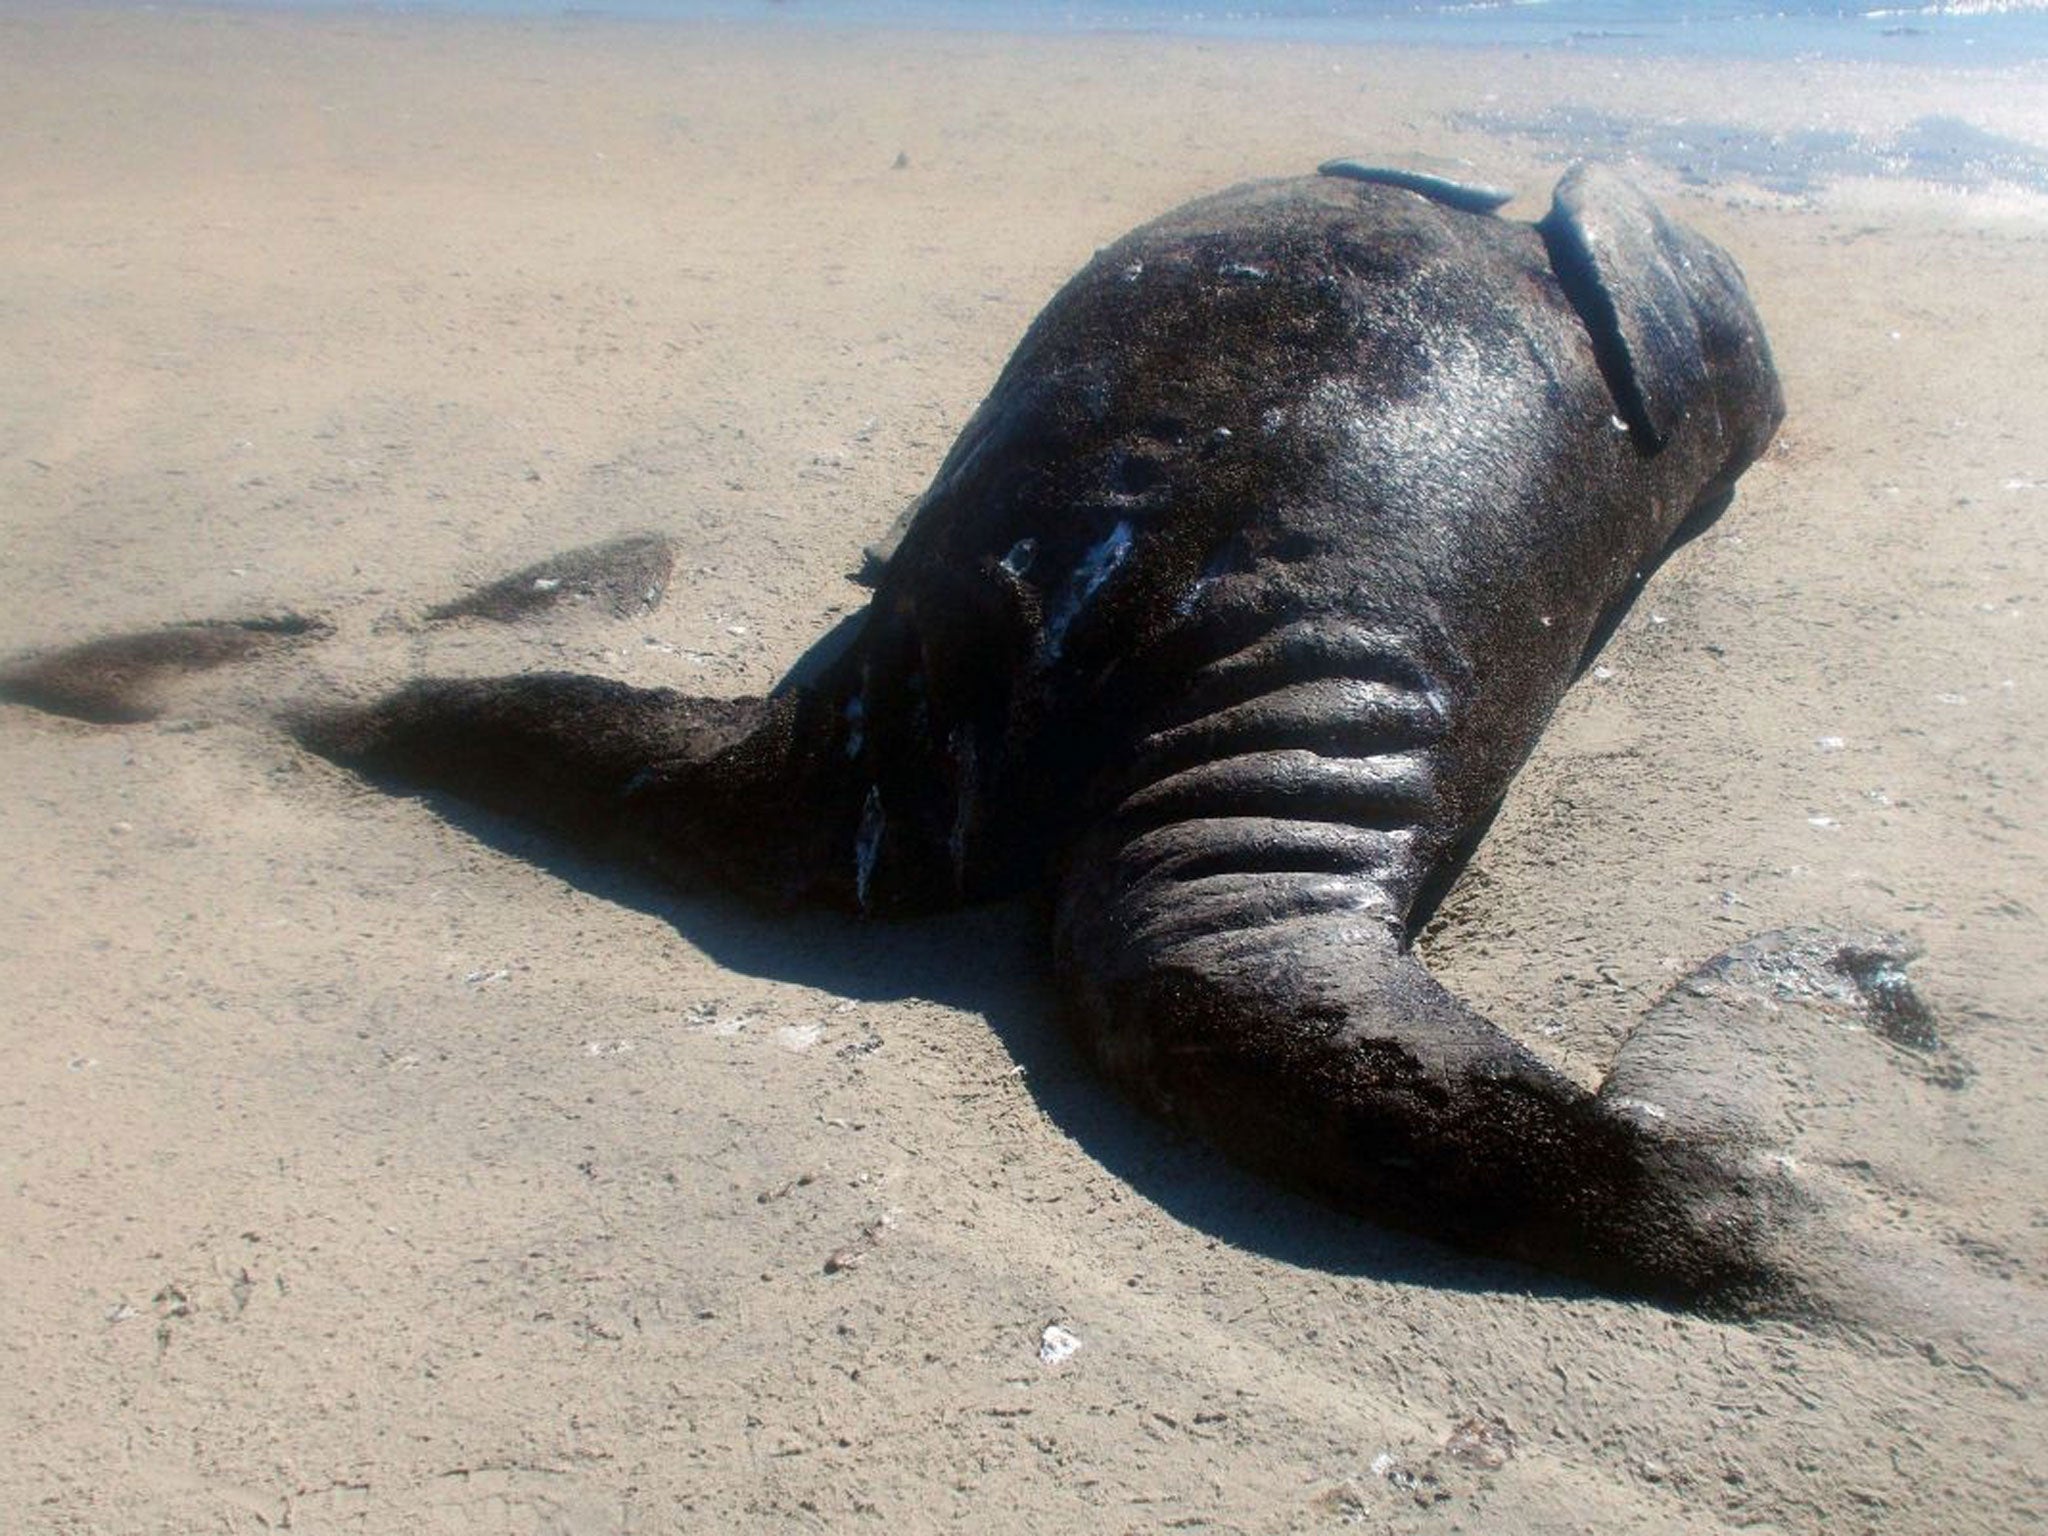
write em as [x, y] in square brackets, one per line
[1466, 196]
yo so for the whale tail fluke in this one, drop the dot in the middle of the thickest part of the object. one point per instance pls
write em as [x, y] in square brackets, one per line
[752, 792]
[122, 679]
[622, 578]
[131, 678]
[748, 793]
[563, 750]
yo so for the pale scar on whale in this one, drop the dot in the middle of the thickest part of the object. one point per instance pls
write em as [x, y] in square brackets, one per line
[1227, 622]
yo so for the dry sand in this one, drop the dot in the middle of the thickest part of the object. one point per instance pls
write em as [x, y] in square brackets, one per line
[364, 1173]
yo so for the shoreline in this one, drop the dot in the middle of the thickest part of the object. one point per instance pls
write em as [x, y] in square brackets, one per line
[1907, 36]
[1894, 132]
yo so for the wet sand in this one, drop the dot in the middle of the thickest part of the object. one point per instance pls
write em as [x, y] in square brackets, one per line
[374, 1171]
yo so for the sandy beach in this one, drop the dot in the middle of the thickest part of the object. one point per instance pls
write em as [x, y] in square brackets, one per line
[368, 1170]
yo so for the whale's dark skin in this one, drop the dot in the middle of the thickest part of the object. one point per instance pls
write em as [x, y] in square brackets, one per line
[1229, 619]
[1230, 615]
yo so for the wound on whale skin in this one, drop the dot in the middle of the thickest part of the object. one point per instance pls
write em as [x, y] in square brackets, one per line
[1228, 620]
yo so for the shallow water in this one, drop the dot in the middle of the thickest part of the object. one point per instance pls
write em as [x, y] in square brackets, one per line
[1981, 32]
[1800, 153]
[1942, 150]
